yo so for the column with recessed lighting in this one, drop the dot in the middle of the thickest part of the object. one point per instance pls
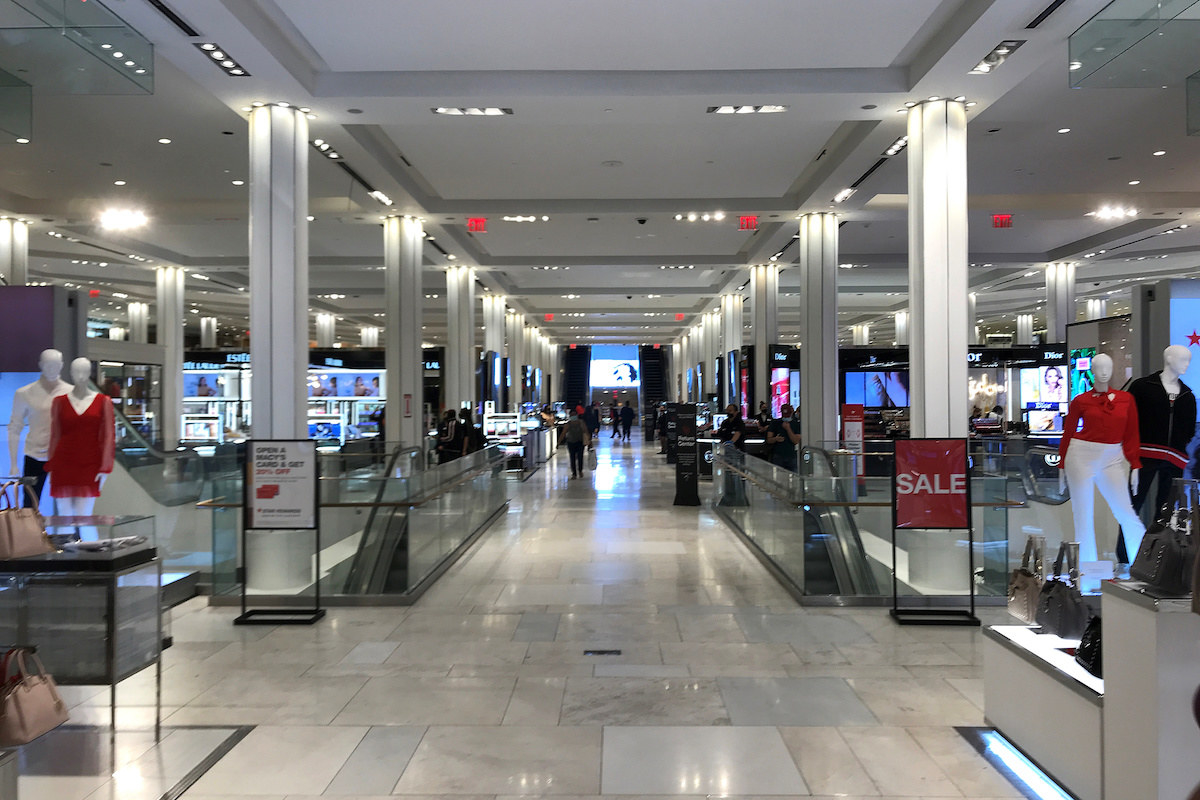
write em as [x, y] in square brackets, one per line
[169, 285]
[900, 319]
[673, 394]
[972, 320]
[326, 330]
[937, 267]
[529, 359]
[279, 271]
[712, 351]
[459, 366]
[208, 332]
[368, 336]
[403, 249]
[764, 306]
[514, 340]
[1024, 329]
[138, 315]
[1097, 308]
[14, 251]
[731, 338]
[861, 334]
[1060, 300]
[493, 323]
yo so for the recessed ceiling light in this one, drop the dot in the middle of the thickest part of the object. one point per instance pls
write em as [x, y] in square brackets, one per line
[473, 111]
[1134, 183]
[22, 140]
[1160, 152]
[118, 183]
[239, 183]
[164, 141]
[1064, 130]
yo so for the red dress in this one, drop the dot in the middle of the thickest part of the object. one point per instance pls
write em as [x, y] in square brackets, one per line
[81, 446]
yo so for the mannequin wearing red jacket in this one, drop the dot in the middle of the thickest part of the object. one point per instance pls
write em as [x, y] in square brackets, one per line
[1098, 457]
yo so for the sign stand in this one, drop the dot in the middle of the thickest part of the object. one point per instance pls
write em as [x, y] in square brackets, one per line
[936, 490]
[672, 431]
[687, 466]
[280, 493]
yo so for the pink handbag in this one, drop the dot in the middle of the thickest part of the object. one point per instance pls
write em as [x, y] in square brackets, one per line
[22, 530]
[30, 704]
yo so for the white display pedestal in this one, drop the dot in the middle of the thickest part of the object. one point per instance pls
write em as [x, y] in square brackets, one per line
[1047, 705]
[1151, 671]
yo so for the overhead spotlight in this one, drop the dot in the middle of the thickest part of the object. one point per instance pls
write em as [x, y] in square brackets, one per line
[996, 57]
[381, 197]
[115, 219]
[843, 195]
[219, 57]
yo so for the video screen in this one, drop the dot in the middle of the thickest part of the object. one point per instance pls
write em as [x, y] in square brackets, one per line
[615, 367]
[203, 384]
[1043, 385]
[1046, 423]
[780, 384]
[325, 429]
[201, 430]
[325, 383]
[1081, 370]
[877, 389]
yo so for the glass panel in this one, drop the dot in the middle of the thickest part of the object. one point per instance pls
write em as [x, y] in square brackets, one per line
[16, 107]
[1135, 44]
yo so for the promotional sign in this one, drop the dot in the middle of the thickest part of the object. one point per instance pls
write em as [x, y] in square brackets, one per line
[672, 431]
[853, 418]
[687, 467]
[281, 484]
[931, 482]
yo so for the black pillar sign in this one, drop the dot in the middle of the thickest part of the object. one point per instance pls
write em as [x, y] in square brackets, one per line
[687, 467]
[672, 430]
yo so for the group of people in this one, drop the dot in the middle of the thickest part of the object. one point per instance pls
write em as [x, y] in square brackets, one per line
[782, 432]
[458, 435]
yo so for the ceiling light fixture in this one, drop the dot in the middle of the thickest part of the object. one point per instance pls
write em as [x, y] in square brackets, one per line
[118, 183]
[522, 218]
[219, 57]
[473, 112]
[22, 140]
[1064, 130]
[996, 57]
[843, 195]
[1159, 153]
[164, 141]
[1112, 212]
[768, 109]
[381, 197]
[897, 147]
[122, 219]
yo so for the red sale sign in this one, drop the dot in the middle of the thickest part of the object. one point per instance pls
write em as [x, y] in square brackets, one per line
[931, 484]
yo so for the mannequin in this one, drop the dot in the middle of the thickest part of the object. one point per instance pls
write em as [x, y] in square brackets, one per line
[1098, 456]
[31, 406]
[82, 444]
[1166, 424]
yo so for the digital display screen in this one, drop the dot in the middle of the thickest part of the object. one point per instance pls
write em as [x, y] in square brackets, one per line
[1045, 422]
[780, 383]
[877, 389]
[203, 384]
[207, 429]
[1081, 370]
[1043, 385]
[615, 367]
[327, 383]
[325, 429]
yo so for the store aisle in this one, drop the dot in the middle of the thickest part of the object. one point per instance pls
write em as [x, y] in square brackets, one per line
[596, 641]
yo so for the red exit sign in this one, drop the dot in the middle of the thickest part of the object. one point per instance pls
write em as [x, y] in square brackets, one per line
[1001, 220]
[679, 317]
[748, 222]
[477, 224]
[549, 318]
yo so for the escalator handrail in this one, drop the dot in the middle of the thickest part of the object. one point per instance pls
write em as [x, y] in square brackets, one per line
[851, 554]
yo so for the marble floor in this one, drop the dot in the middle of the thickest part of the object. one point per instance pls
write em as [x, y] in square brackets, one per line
[595, 641]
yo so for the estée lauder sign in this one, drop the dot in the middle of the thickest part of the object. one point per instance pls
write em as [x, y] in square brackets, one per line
[931, 482]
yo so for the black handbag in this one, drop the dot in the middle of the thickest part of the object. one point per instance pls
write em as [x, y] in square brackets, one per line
[1088, 655]
[1166, 556]
[1061, 609]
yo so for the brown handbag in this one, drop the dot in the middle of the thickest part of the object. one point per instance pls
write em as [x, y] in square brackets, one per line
[1026, 582]
[22, 530]
[30, 704]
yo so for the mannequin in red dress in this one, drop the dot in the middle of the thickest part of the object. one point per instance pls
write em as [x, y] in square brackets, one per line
[82, 443]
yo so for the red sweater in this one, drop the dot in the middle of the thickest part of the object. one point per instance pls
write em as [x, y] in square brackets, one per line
[1108, 418]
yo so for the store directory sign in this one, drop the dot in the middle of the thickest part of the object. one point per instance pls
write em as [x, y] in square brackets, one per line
[281, 484]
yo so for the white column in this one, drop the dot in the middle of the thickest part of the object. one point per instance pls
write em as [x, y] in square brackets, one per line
[937, 267]
[818, 329]
[901, 322]
[1024, 328]
[138, 316]
[169, 284]
[764, 299]
[676, 372]
[368, 336]
[514, 339]
[493, 323]
[403, 248]
[208, 332]
[862, 335]
[529, 359]
[1060, 300]
[712, 351]
[326, 330]
[972, 320]
[279, 272]
[1097, 308]
[14, 251]
[459, 369]
[731, 323]
[117, 334]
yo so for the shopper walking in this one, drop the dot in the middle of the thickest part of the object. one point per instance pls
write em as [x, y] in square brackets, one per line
[472, 437]
[577, 435]
[450, 438]
[627, 417]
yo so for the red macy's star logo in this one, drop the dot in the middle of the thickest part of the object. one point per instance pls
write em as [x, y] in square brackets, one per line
[1194, 338]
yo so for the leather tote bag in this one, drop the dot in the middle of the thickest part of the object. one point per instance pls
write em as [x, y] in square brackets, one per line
[1166, 556]
[1026, 581]
[1061, 609]
[30, 704]
[22, 530]
[592, 460]
[1088, 655]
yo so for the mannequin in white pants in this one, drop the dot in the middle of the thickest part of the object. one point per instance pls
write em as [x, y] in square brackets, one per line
[1089, 465]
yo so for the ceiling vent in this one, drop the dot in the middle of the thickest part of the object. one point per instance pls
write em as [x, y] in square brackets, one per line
[177, 20]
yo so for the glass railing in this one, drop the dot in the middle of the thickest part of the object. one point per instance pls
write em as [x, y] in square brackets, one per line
[387, 527]
[827, 528]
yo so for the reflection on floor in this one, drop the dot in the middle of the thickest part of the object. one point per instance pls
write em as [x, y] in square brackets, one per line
[596, 641]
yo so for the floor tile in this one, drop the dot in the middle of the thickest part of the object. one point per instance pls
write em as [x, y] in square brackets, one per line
[820, 702]
[642, 701]
[429, 701]
[897, 764]
[377, 763]
[827, 763]
[282, 759]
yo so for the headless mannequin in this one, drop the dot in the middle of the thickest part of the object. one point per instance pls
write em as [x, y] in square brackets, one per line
[31, 406]
[81, 397]
[1087, 465]
[1167, 419]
